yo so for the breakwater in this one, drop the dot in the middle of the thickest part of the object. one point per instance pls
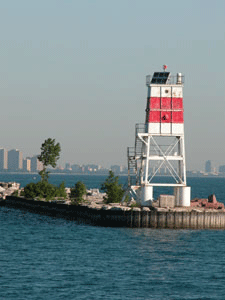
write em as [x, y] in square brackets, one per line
[185, 218]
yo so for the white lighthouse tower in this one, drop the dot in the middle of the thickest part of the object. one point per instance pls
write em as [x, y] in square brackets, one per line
[159, 143]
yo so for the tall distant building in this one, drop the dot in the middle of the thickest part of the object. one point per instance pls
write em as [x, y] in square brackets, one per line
[76, 168]
[15, 160]
[36, 165]
[3, 159]
[27, 164]
[208, 166]
[91, 168]
[222, 169]
[116, 169]
[68, 166]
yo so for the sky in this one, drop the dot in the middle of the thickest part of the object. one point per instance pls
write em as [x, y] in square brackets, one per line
[75, 71]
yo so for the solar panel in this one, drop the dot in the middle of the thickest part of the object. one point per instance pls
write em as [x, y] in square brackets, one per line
[160, 77]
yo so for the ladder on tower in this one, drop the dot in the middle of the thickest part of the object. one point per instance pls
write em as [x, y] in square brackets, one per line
[132, 166]
[135, 154]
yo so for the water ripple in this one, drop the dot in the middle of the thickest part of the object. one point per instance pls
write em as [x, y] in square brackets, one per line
[49, 258]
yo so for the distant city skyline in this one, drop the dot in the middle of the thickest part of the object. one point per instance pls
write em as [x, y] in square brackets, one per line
[63, 163]
[13, 160]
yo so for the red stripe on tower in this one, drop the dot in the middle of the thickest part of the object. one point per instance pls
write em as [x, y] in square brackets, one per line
[164, 110]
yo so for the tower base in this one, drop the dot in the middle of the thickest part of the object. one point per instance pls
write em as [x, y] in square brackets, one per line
[146, 195]
[182, 196]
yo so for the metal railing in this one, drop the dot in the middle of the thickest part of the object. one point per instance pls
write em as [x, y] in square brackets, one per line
[173, 79]
[139, 128]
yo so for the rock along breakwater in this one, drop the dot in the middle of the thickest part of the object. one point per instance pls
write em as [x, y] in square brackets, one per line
[119, 216]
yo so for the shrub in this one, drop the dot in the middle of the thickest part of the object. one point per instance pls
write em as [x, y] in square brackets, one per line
[61, 191]
[15, 193]
[77, 193]
[43, 189]
[112, 188]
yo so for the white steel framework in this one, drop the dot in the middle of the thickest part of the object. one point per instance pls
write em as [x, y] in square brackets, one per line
[160, 149]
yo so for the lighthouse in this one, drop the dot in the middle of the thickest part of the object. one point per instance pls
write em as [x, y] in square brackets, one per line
[159, 143]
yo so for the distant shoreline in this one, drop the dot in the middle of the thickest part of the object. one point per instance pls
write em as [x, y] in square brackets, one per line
[106, 174]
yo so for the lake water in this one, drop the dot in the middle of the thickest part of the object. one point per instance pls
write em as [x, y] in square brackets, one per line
[48, 258]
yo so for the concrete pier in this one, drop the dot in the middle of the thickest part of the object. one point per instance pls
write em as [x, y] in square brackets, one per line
[176, 218]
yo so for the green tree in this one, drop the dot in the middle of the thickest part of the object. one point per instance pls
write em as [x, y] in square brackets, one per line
[114, 191]
[78, 192]
[49, 156]
[43, 189]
